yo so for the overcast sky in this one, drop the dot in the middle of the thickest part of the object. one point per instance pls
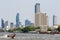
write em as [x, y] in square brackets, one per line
[9, 9]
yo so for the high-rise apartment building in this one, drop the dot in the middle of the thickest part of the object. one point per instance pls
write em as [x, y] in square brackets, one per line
[41, 19]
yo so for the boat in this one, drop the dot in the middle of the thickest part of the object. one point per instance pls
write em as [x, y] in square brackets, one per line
[52, 32]
[9, 36]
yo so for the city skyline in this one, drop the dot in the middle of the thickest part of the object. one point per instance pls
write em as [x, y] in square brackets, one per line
[12, 9]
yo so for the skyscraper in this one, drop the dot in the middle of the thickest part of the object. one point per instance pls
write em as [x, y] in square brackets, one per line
[2, 23]
[11, 25]
[6, 25]
[54, 20]
[41, 19]
[37, 7]
[17, 20]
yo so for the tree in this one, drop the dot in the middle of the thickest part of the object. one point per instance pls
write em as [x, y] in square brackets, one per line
[18, 28]
[58, 28]
[49, 29]
[28, 28]
[10, 30]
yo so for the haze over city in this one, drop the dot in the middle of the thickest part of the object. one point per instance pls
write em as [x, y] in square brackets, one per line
[26, 9]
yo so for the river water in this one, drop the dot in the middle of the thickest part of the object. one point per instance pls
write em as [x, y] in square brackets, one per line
[29, 36]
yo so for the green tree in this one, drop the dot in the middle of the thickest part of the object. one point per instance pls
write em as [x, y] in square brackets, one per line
[49, 29]
[18, 28]
[58, 28]
[28, 28]
[10, 30]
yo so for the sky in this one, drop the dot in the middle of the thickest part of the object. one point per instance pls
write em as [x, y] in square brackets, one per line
[26, 9]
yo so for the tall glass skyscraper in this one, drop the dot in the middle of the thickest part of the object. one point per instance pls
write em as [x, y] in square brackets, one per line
[37, 7]
[17, 20]
[2, 23]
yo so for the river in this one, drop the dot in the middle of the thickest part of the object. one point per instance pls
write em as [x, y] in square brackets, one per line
[29, 36]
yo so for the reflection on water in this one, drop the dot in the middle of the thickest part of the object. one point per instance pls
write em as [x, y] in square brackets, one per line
[26, 36]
